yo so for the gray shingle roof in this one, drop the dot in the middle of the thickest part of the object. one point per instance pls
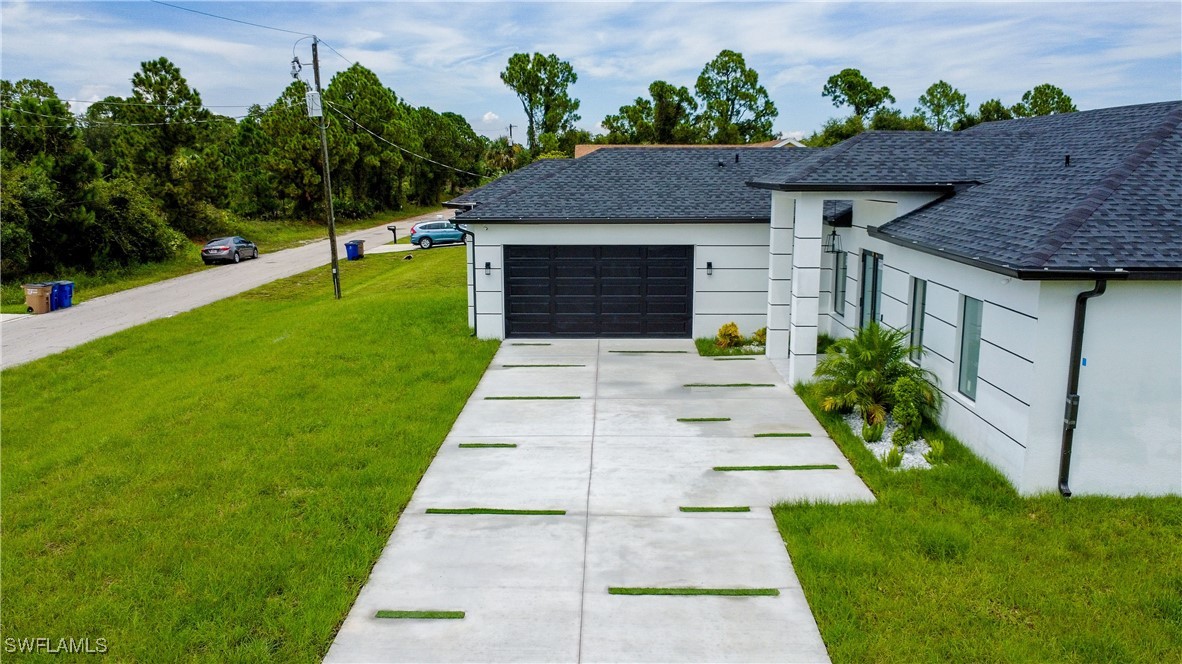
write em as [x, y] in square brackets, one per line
[506, 183]
[637, 184]
[1018, 207]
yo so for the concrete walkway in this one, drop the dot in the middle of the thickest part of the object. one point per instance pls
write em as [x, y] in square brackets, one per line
[618, 461]
[27, 338]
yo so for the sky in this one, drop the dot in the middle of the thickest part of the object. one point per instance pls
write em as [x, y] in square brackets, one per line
[448, 55]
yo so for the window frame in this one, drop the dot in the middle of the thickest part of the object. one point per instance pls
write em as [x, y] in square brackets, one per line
[840, 271]
[919, 300]
[970, 331]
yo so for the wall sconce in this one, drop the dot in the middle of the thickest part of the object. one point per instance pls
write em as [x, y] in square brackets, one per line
[832, 244]
[709, 268]
[487, 268]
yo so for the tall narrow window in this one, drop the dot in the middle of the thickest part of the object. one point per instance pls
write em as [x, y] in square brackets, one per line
[839, 269]
[919, 296]
[970, 346]
[871, 299]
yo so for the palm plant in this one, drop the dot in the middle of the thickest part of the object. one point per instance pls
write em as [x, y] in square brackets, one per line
[860, 373]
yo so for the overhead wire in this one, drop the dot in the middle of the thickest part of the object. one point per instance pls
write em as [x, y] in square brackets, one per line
[337, 110]
[232, 20]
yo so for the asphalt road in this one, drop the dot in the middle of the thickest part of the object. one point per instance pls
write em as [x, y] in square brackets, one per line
[32, 337]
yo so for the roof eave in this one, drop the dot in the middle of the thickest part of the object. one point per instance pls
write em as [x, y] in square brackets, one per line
[1034, 274]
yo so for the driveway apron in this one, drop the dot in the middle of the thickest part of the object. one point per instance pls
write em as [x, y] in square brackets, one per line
[613, 440]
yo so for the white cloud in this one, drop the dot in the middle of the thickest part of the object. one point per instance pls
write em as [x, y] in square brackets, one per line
[490, 117]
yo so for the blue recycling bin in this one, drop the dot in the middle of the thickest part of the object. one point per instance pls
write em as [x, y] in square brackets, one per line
[62, 296]
[353, 249]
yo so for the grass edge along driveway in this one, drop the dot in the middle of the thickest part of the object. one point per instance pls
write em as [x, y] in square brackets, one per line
[217, 486]
[952, 565]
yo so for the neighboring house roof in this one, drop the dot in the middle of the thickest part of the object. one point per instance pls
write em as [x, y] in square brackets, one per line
[1012, 203]
[504, 184]
[584, 149]
[637, 184]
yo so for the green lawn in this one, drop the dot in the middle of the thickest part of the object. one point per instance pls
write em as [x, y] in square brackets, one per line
[216, 486]
[952, 565]
[269, 235]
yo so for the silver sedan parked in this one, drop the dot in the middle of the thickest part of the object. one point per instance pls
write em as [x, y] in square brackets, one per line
[228, 250]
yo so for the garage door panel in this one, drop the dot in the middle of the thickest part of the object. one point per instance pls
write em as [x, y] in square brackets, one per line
[527, 269]
[678, 307]
[599, 291]
[529, 289]
[622, 289]
[622, 270]
[574, 287]
[525, 252]
[668, 270]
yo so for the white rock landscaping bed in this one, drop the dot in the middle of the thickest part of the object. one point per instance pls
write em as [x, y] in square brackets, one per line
[912, 453]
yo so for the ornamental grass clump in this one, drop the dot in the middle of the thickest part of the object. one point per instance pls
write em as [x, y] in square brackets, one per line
[860, 373]
[872, 433]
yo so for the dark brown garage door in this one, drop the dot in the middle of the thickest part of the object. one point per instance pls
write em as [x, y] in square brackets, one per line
[607, 291]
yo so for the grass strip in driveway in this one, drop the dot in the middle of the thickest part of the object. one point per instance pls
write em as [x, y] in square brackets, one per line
[527, 398]
[729, 385]
[720, 592]
[703, 419]
[734, 359]
[492, 510]
[420, 615]
[650, 352]
[783, 435]
[529, 344]
[539, 366]
[716, 509]
[480, 446]
[186, 514]
[814, 466]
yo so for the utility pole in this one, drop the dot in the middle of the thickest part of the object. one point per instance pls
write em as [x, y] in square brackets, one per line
[332, 229]
[511, 126]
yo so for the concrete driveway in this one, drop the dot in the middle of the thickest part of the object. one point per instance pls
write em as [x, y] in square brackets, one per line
[620, 464]
[27, 338]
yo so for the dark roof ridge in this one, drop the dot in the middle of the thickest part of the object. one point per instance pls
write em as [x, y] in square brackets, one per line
[830, 153]
[1065, 228]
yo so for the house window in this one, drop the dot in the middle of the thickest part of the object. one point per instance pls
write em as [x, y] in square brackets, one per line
[839, 270]
[919, 296]
[970, 346]
[871, 300]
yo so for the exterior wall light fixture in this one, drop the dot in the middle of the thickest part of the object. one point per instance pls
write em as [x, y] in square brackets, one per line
[832, 244]
[487, 268]
[709, 268]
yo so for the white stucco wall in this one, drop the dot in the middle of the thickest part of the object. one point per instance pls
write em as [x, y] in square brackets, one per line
[736, 291]
[1129, 436]
[1128, 439]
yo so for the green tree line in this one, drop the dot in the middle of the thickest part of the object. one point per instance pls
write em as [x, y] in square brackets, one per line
[131, 178]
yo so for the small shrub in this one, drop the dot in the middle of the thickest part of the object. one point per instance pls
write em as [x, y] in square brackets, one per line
[760, 336]
[936, 454]
[894, 458]
[906, 410]
[728, 336]
[872, 432]
[901, 438]
[824, 341]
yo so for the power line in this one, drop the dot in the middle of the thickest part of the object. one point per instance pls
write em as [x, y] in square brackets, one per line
[232, 20]
[336, 51]
[337, 110]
